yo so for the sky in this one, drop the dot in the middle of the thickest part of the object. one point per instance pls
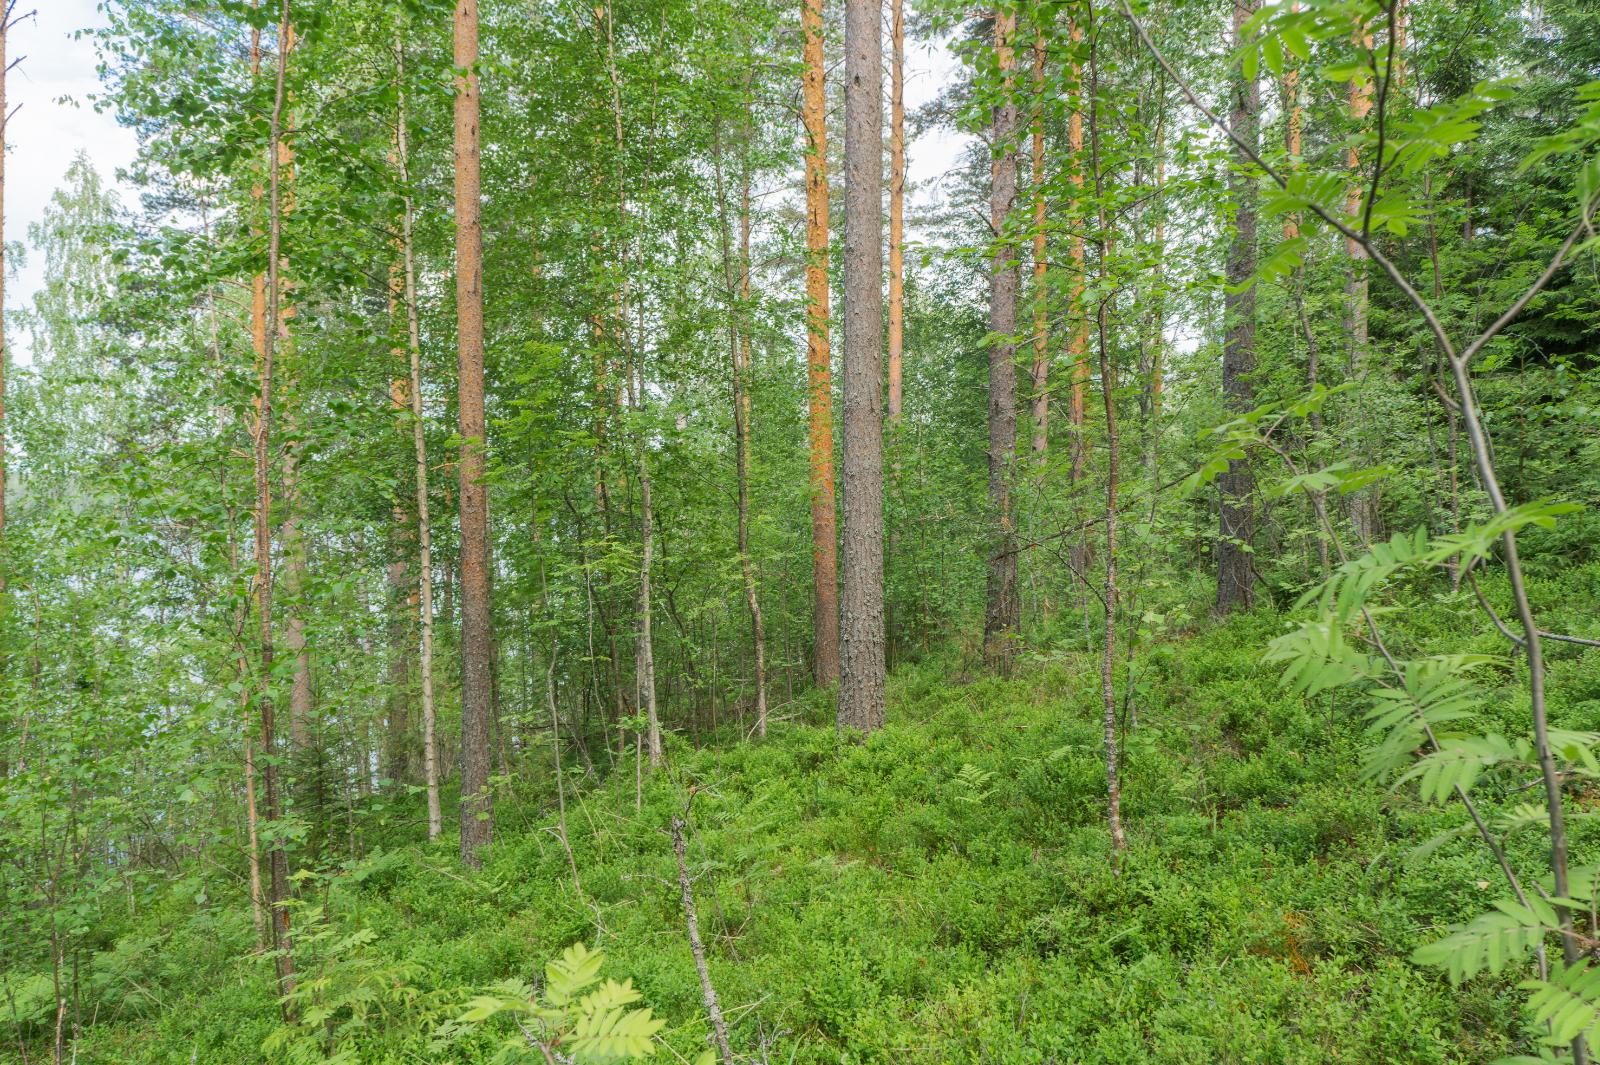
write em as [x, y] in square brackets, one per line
[54, 120]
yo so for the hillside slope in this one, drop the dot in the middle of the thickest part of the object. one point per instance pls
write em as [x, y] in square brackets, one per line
[939, 893]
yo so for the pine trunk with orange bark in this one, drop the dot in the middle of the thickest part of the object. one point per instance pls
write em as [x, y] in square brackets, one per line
[477, 627]
[819, 372]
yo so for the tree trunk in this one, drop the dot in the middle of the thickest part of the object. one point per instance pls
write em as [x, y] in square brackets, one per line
[861, 683]
[1039, 384]
[1236, 514]
[1078, 342]
[897, 200]
[5, 27]
[1363, 503]
[739, 355]
[397, 753]
[645, 654]
[824, 534]
[430, 740]
[1108, 392]
[265, 933]
[266, 337]
[477, 631]
[1002, 613]
[1293, 123]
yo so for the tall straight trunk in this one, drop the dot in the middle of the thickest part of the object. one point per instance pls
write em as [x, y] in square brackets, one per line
[741, 432]
[5, 352]
[1293, 124]
[1157, 331]
[1293, 144]
[819, 373]
[633, 374]
[277, 858]
[736, 279]
[265, 932]
[644, 653]
[419, 440]
[1002, 614]
[1154, 326]
[304, 757]
[1077, 315]
[1236, 513]
[398, 763]
[1363, 503]
[1039, 383]
[861, 683]
[477, 625]
[897, 200]
[1108, 391]
[252, 830]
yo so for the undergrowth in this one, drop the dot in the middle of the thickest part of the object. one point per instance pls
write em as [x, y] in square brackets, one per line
[938, 893]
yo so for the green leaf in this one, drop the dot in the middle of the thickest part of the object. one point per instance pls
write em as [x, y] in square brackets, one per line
[1491, 941]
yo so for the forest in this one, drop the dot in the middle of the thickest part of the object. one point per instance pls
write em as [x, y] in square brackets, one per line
[528, 533]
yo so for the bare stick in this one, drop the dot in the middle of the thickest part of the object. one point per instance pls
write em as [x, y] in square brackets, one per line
[719, 1027]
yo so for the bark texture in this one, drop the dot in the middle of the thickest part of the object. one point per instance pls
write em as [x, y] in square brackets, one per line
[861, 610]
[743, 428]
[897, 201]
[5, 26]
[266, 335]
[1002, 613]
[477, 631]
[1363, 503]
[1039, 383]
[1236, 512]
[819, 372]
[419, 443]
[1077, 317]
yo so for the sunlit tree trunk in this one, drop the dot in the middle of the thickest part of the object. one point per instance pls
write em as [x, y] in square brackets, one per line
[1236, 512]
[819, 373]
[1002, 612]
[861, 685]
[477, 626]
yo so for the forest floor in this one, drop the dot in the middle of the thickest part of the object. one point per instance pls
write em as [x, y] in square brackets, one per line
[939, 893]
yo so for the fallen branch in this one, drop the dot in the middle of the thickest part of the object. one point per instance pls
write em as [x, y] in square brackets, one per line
[719, 1027]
